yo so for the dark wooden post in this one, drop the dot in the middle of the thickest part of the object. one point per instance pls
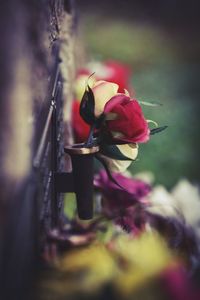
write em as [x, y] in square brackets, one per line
[31, 133]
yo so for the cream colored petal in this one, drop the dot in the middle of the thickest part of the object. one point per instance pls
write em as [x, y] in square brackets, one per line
[103, 92]
[118, 166]
[187, 199]
[81, 84]
[99, 82]
[129, 150]
[162, 203]
[146, 176]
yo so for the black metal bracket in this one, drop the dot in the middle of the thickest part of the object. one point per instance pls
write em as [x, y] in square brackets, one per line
[79, 181]
[64, 182]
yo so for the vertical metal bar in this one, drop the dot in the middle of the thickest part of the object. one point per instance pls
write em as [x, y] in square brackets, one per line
[83, 172]
[42, 143]
[54, 202]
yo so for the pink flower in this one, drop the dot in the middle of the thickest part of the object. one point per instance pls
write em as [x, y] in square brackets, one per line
[117, 198]
[125, 206]
[178, 284]
[110, 70]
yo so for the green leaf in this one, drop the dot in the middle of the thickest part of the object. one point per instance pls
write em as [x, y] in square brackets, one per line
[153, 122]
[113, 152]
[157, 130]
[70, 205]
[87, 106]
[152, 104]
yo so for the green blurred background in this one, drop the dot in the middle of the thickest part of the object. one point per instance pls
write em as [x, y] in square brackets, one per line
[159, 41]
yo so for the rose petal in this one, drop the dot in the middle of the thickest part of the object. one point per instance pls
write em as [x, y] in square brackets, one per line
[81, 84]
[130, 122]
[103, 91]
[115, 198]
[118, 99]
[129, 150]
[118, 166]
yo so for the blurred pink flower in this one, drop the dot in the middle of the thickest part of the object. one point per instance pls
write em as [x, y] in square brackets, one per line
[110, 70]
[80, 127]
[124, 205]
[178, 285]
[133, 191]
[120, 74]
[132, 219]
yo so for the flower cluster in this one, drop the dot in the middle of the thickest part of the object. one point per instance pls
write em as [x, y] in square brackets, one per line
[117, 122]
[109, 117]
[115, 198]
[125, 204]
[111, 71]
[124, 118]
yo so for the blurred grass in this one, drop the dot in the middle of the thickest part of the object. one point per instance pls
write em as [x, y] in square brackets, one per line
[170, 155]
[161, 73]
[70, 205]
[136, 45]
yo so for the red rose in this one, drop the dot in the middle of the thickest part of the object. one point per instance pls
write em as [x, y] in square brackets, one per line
[125, 119]
[80, 128]
[127, 122]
